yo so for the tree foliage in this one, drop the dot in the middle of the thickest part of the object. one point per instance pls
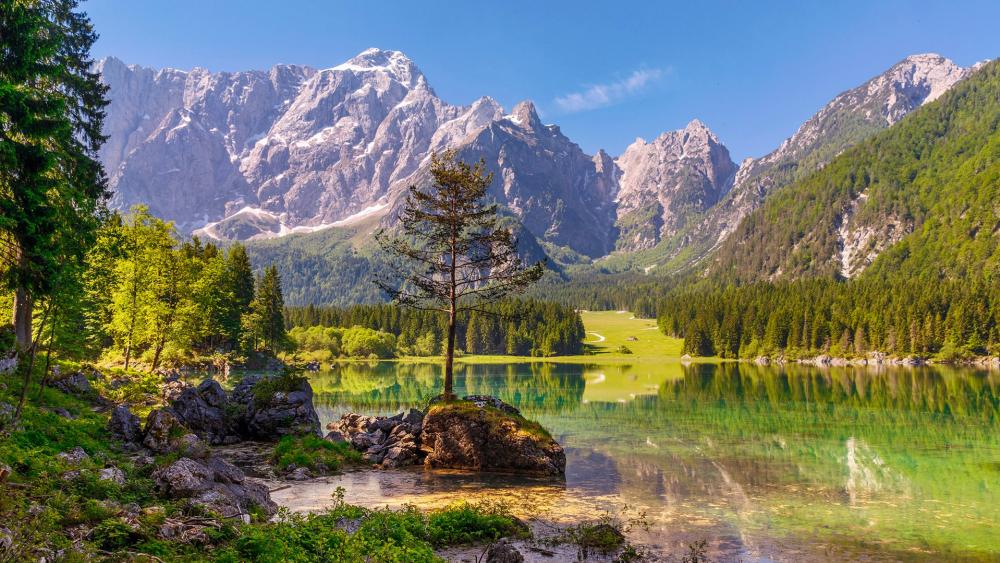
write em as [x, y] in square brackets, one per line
[452, 253]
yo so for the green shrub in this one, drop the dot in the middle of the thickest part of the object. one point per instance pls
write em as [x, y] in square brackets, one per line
[314, 453]
[472, 523]
[113, 534]
[286, 382]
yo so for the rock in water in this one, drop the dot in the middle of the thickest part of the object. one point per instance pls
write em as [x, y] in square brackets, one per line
[462, 435]
[269, 415]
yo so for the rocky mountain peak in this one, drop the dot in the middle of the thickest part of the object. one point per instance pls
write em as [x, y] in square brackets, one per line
[525, 115]
[392, 63]
[663, 183]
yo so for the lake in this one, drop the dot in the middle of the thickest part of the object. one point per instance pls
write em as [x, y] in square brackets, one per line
[765, 463]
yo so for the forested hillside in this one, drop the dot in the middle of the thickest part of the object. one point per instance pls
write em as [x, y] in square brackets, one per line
[927, 188]
[911, 219]
[323, 267]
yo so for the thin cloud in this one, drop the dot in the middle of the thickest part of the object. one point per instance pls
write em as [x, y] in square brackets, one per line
[603, 95]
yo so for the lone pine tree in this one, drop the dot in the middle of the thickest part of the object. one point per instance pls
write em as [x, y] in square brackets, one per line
[452, 252]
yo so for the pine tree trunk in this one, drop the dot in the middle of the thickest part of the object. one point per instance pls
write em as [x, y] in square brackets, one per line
[22, 318]
[449, 358]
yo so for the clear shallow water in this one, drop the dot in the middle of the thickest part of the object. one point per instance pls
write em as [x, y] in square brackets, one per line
[765, 463]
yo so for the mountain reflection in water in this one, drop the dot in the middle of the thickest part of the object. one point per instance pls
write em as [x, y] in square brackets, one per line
[784, 463]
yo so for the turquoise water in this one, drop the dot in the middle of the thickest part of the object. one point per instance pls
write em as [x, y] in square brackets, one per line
[764, 463]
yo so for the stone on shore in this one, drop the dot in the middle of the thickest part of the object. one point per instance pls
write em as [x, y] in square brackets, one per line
[270, 413]
[205, 411]
[480, 434]
[215, 485]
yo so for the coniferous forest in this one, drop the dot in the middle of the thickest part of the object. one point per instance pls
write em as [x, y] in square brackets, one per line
[511, 327]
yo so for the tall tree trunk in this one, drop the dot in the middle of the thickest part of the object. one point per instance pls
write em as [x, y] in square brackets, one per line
[23, 306]
[28, 367]
[449, 358]
[133, 313]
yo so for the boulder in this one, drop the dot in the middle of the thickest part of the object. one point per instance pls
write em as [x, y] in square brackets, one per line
[172, 389]
[204, 410]
[413, 417]
[335, 436]
[74, 456]
[215, 485]
[112, 474]
[503, 552]
[388, 442]
[299, 474]
[462, 435]
[190, 445]
[271, 415]
[124, 426]
[73, 384]
[162, 431]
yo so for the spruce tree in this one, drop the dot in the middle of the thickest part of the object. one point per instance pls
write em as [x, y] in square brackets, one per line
[267, 319]
[452, 253]
[53, 187]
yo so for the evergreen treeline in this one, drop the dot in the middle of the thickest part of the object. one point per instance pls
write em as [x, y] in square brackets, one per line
[949, 319]
[141, 293]
[513, 327]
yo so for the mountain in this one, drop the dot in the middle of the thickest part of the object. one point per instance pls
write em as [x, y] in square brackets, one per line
[918, 199]
[561, 195]
[667, 181]
[296, 150]
[846, 120]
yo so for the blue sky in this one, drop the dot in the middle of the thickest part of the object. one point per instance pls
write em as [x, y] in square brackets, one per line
[605, 72]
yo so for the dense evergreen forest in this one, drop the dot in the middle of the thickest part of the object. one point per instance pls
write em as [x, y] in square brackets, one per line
[515, 327]
[950, 319]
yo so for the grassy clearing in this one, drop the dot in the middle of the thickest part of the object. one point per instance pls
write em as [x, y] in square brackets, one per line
[609, 334]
